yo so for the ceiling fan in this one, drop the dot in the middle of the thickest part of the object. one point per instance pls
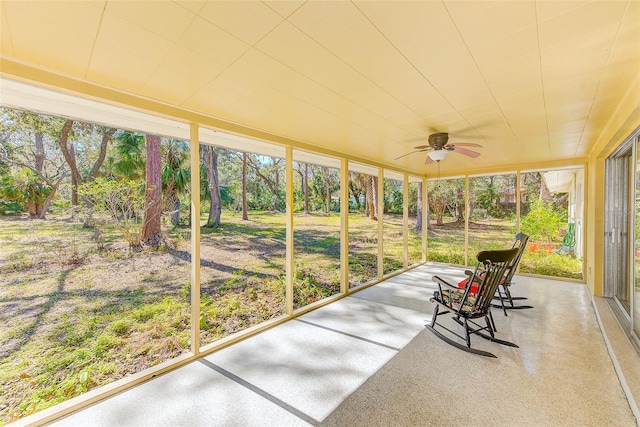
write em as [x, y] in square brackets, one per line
[439, 147]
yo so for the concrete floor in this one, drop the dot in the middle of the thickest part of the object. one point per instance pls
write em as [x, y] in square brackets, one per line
[367, 360]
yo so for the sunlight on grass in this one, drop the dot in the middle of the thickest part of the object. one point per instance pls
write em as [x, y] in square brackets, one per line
[77, 314]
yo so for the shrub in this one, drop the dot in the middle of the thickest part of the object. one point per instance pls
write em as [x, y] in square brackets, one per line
[122, 201]
[543, 221]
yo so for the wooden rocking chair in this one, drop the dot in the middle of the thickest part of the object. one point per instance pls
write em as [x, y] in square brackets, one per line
[503, 293]
[468, 307]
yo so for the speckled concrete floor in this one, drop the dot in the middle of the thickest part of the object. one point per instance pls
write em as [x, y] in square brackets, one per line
[367, 360]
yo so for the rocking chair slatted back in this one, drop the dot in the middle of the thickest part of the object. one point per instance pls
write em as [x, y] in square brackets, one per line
[520, 243]
[504, 294]
[493, 265]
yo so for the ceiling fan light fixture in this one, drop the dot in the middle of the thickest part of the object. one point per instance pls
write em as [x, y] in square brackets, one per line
[438, 155]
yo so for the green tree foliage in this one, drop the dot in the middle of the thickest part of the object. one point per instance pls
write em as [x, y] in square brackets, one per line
[176, 175]
[444, 197]
[356, 191]
[324, 182]
[130, 160]
[32, 141]
[25, 188]
[486, 193]
[393, 196]
[543, 222]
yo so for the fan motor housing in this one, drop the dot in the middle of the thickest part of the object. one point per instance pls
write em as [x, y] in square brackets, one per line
[438, 140]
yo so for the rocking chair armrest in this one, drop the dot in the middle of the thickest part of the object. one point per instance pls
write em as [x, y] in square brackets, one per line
[441, 281]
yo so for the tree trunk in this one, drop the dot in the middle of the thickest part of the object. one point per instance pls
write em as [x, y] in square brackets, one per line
[35, 208]
[356, 193]
[47, 203]
[426, 194]
[439, 206]
[276, 186]
[210, 158]
[418, 226]
[152, 232]
[39, 154]
[305, 188]
[327, 192]
[74, 178]
[175, 212]
[460, 206]
[245, 214]
[69, 154]
[372, 196]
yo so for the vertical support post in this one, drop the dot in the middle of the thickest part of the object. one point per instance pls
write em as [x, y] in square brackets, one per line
[467, 210]
[380, 202]
[344, 226]
[583, 227]
[405, 222]
[425, 206]
[518, 195]
[195, 238]
[289, 231]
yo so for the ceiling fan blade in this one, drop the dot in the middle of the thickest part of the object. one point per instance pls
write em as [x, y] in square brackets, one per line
[422, 147]
[417, 151]
[428, 161]
[465, 144]
[466, 152]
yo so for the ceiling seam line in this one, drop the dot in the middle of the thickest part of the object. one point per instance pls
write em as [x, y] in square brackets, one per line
[356, 71]
[174, 44]
[331, 113]
[544, 91]
[4, 9]
[504, 117]
[286, 18]
[95, 39]
[226, 67]
[330, 89]
[408, 62]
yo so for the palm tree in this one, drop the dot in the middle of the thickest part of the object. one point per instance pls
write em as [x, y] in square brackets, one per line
[131, 157]
[175, 175]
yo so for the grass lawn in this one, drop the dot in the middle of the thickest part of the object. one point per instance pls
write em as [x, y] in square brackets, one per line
[80, 310]
[446, 244]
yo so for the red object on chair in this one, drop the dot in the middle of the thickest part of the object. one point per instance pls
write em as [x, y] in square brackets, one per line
[474, 285]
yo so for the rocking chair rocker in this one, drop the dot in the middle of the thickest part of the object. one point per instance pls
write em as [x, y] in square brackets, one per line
[468, 306]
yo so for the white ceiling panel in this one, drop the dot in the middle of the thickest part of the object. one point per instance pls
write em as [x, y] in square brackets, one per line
[420, 30]
[284, 7]
[69, 50]
[213, 42]
[170, 20]
[129, 79]
[342, 29]
[301, 53]
[532, 81]
[484, 22]
[511, 46]
[5, 34]
[247, 20]
[579, 23]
